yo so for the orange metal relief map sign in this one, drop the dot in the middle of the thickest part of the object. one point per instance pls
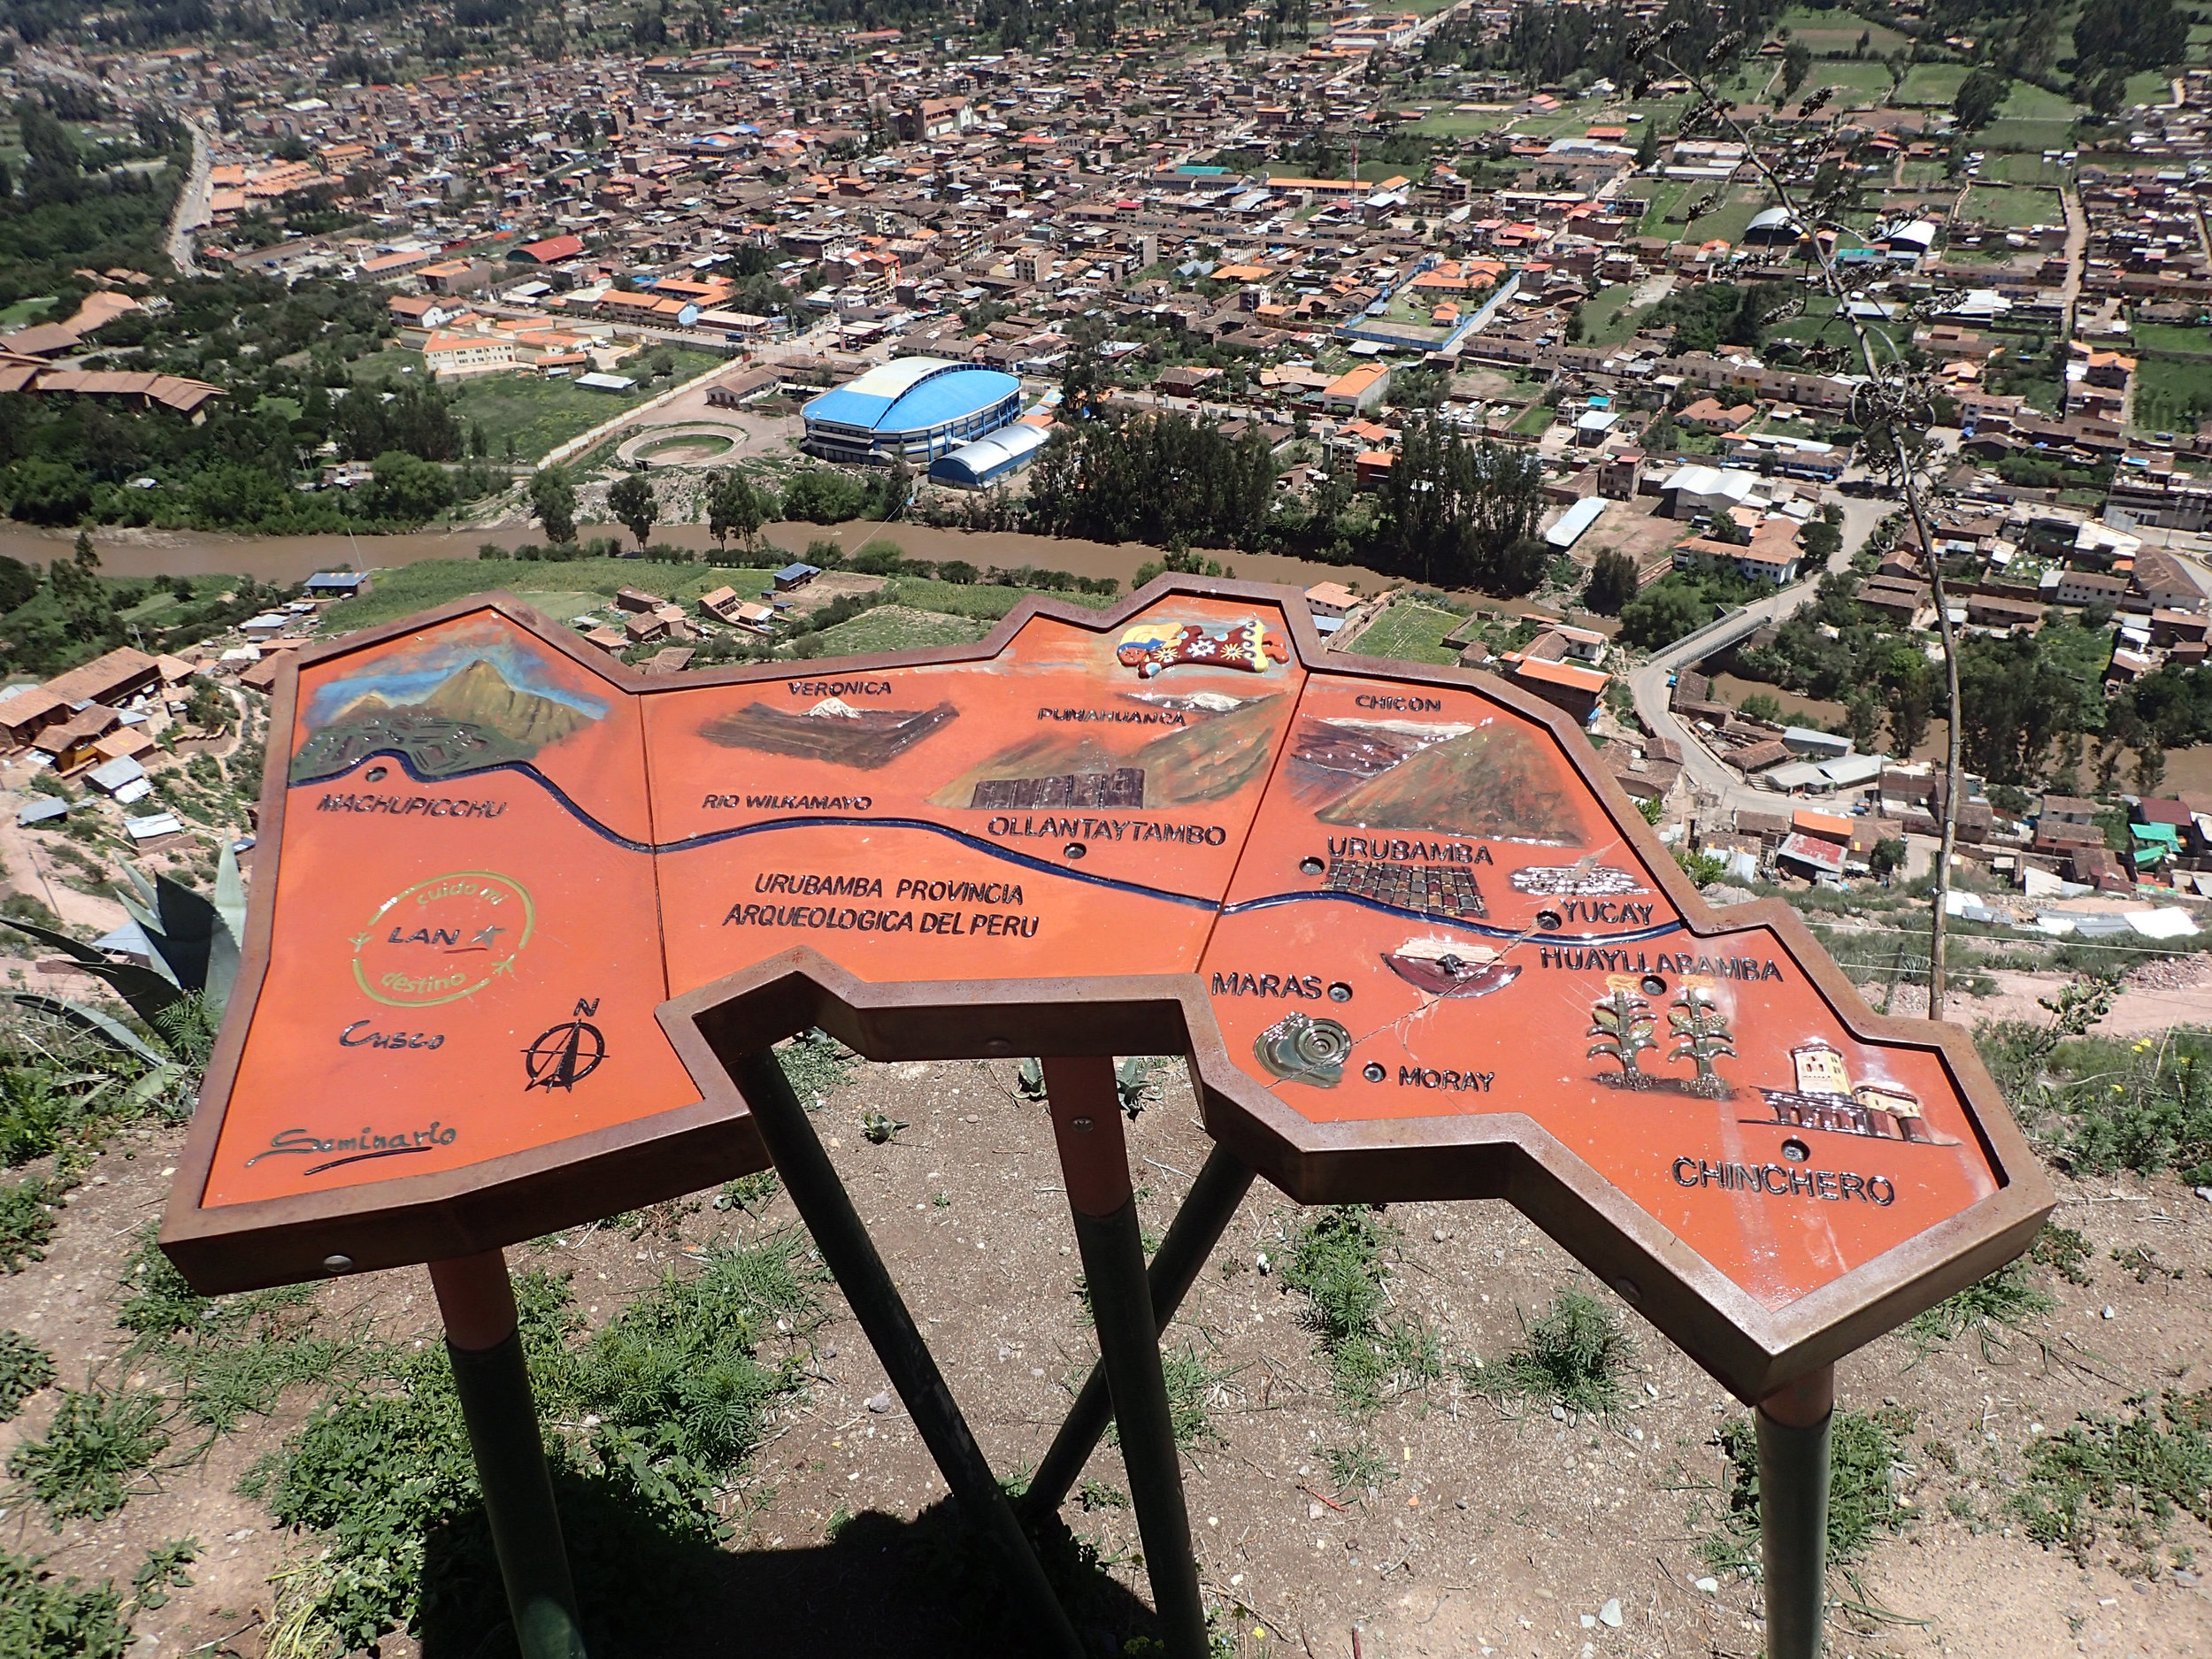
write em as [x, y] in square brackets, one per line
[1421, 924]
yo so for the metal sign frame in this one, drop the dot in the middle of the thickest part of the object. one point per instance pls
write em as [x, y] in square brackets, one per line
[723, 1032]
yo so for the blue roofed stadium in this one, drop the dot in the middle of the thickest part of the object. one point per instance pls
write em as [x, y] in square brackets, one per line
[918, 407]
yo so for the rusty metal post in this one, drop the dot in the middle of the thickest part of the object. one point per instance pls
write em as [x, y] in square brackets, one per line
[1094, 1158]
[1222, 1180]
[851, 1257]
[477, 1301]
[1794, 1425]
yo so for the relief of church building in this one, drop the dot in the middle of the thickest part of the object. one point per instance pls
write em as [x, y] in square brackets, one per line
[1825, 1098]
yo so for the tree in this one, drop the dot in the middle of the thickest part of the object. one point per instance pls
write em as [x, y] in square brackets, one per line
[1863, 714]
[733, 507]
[1978, 96]
[1647, 147]
[1797, 63]
[2130, 34]
[18, 583]
[407, 490]
[1083, 373]
[1612, 583]
[1886, 857]
[634, 505]
[1663, 614]
[553, 504]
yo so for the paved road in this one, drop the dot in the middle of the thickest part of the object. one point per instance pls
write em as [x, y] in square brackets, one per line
[1648, 685]
[192, 209]
[2076, 251]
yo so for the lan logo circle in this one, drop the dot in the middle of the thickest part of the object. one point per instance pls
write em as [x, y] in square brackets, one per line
[444, 939]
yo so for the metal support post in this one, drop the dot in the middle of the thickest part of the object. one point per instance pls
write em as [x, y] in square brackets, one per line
[478, 1303]
[1793, 1427]
[1222, 1180]
[1094, 1157]
[850, 1255]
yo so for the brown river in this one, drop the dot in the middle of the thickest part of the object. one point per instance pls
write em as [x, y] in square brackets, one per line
[295, 557]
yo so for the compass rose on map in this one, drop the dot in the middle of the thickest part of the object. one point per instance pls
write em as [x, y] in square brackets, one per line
[565, 1054]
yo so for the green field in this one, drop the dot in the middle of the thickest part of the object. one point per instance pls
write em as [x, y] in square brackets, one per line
[1606, 319]
[2027, 167]
[894, 628]
[1836, 31]
[1857, 86]
[2150, 87]
[1727, 224]
[1818, 323]
[538, 413]
[986, 604]
[25, 312]
[2011, 206]
[2029, 102]
[1665, 194]
[2172, 338]
[1533, 421]
[2171, 395]
[541, 414]
[1411, 632]
[1931, 86]
[2034, 136]
[418, 587]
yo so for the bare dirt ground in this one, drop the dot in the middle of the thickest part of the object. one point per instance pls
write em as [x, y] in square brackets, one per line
[1488, 1530]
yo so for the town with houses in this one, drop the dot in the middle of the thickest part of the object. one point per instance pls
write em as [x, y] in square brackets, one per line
[910, 263]
[937, 228]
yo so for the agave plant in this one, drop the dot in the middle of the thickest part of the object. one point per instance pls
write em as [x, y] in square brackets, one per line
[182, 991]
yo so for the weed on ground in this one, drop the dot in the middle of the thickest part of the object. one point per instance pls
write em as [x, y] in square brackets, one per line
[226, 1357]
[2127, 1475]
[817, 1066]
[92, 1452]
[646, 1421]
[1864, 1454]
[46, 1617]
[1574, 1356]
[1336, 1259]
[2006, 1299]
[25, 1368]
[26, 1222]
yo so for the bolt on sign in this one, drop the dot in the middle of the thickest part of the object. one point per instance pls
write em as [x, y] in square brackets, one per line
[520, 905]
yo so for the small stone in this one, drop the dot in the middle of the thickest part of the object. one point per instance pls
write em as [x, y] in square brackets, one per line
[1588, 1623]
[1610, 1615]
[2204, 1193]
[2184, 1578]
[1711, 1587]
[880, 1402]
[1440, 1235]
[1559, 1413]
[2110, 1312]
[1652, 1389]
